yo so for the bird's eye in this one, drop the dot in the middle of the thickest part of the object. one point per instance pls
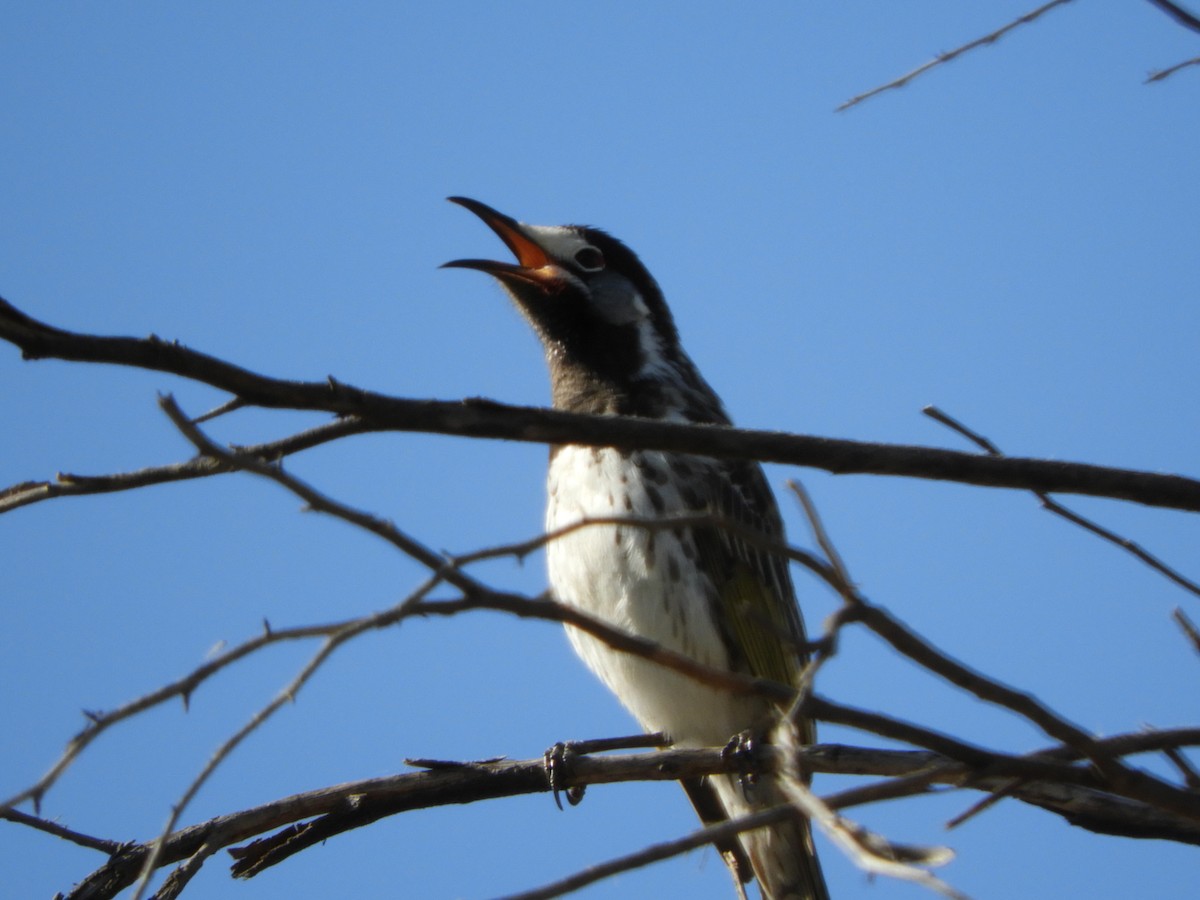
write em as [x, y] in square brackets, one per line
[590, 259]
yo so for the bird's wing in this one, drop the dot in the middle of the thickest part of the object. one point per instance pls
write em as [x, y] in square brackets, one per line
[757, 602]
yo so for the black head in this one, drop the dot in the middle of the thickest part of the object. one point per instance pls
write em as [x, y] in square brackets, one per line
[600, 315]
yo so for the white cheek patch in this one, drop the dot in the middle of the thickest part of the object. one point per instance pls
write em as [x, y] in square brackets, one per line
[639, 304]
[654, 360]
[558, 241]
[626, 307]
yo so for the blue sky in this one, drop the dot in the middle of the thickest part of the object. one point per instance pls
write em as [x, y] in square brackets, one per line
[1013, 238]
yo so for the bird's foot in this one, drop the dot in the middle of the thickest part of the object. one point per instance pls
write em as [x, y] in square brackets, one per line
[557, 762]
[742, 754]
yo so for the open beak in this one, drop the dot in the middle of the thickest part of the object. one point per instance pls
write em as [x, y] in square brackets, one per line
[533, 265]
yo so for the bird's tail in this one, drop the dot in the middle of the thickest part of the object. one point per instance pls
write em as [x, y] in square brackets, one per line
[782, 856]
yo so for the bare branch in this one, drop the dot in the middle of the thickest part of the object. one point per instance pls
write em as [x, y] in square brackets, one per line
[1161, 74]
[326, 812]
[942, 58]
[486, 419]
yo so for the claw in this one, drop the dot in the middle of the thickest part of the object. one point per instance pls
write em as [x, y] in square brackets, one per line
[740, 752]
[557, 761]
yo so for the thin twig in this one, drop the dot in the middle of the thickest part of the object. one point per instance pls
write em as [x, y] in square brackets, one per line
[891, 788]
[844, 584]
[1160, 74]
[317, 501]
[1052, 505]
[983, 804]
[182, 688]
[287, 695]
[227, 407]
[1190, 776]
[61, 831]
[942, 58]
[834, 570]
[67, 484]
[1190, 631]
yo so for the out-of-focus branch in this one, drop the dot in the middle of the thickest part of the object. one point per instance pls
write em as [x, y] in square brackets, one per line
[950, 55]
[1178, 13]
[871, 852]
[486, 419]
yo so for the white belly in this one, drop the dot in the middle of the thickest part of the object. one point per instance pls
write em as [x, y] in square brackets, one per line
[643, 582]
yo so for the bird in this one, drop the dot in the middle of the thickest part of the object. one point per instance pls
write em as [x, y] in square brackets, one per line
[613, 349]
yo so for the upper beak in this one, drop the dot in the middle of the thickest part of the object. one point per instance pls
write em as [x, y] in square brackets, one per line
[533, 263]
